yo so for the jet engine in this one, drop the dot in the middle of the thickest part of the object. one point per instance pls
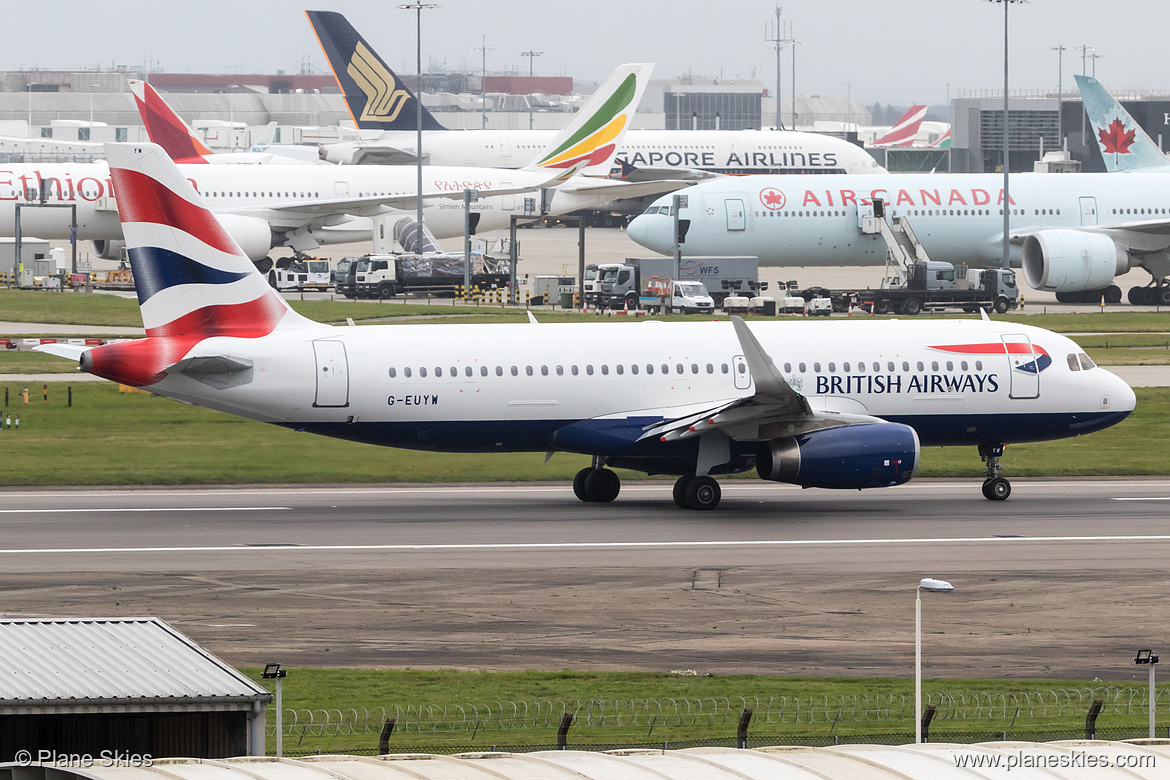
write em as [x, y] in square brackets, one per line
[1071, 260]
[851, 457]
[107, 249]
[251, 234]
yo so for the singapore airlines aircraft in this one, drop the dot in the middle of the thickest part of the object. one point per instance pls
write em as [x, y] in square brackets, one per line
[1124, 145]
[169, 131]
[377, 100]
[302, 206]
[1073, 233]
[832, 405]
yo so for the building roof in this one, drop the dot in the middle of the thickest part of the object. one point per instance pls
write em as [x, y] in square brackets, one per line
[113, 664]
[938, 761]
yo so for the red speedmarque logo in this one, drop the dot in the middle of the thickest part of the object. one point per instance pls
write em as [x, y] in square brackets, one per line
[772, 198]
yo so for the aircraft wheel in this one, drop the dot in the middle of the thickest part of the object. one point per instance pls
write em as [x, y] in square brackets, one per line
[579, 484]
[680, 491]
[264, 264]
[602, 485]
[1135, 295]
[1162, 296]
[1112, 294]
[703, 493]
[997, 489]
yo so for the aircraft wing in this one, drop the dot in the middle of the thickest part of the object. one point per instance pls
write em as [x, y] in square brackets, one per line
[774, 411]
[636, 173]
[1138, 237]
[614, 189]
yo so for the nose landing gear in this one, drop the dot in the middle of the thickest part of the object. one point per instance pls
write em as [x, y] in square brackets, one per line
[596, 484]
[995, 487]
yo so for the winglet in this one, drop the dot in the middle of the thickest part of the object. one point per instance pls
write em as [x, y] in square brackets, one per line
[1123, 143]
[770, 383]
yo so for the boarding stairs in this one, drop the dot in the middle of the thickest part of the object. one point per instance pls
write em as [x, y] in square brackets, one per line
[902, 246]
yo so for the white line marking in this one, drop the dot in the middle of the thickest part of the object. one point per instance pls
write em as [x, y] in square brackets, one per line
[581, 545]
[145, 509]
[1151, 498]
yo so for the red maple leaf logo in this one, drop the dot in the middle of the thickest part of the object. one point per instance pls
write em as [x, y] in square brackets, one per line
[772, 198]
[1115, 138]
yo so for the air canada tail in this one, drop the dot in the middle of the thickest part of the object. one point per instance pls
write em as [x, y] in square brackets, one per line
[192, 281]
[904, 130]
[377, 99]
[1124, 145]
[593, 137]
[164, 127]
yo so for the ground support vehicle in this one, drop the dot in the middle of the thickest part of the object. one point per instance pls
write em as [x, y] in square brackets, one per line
[621, 285]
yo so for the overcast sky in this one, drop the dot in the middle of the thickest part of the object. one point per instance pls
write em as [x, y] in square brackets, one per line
[898, 51]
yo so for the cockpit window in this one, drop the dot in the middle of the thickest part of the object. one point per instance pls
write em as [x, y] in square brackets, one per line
[1073, 365]
[1086, 361]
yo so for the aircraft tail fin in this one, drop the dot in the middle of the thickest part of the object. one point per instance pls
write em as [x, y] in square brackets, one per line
[1124, 145]
[591, 140]
[164, 127]
[904, 130]
[376, 97]
[192, 281]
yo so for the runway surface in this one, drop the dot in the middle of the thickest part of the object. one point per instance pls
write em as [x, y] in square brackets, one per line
[1066, 579]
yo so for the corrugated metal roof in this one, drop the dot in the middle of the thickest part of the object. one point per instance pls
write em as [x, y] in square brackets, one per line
[1027, 760]
[110, 660]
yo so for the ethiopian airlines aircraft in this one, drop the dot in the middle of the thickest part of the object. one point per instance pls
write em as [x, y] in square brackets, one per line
[378, 100]
[831, 405]
[1073, 233]
[301, 206]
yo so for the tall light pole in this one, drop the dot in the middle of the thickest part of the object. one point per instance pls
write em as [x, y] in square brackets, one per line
[1148, 657]
[1059, 93]
[794, 43]
[418, 9]
[777, 39]
[483, 50]
[1006, 145]
[931, 586]
[531, 55]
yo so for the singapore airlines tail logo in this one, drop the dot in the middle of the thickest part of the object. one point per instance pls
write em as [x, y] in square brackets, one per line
[384, 99]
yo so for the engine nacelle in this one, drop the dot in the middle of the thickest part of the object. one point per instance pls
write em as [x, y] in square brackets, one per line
[1070, 260]
[108, 249]
[251, 234]
[851, 457]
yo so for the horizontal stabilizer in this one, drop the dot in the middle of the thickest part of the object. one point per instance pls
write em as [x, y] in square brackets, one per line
[219, 371]
[70, 351]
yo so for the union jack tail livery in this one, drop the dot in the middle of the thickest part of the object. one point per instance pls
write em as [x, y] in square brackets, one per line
[193, 282]
[1124, 145]
[164, 126]
[903, 132]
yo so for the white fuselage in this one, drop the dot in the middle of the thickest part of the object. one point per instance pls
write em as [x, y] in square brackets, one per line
[594, 387]
[715, 151]
[271, 193]
[789, 220]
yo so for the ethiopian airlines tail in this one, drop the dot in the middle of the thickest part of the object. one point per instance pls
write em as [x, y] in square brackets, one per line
[1124, 145]
[164, 126]
[376, 98]
[903, 132]
[592, 139]
[193, 282]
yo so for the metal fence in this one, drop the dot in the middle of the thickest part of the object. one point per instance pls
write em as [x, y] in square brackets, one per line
[979, 710]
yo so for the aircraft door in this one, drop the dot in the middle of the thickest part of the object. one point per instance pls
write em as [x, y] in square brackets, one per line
[332, 374]
[507, 202]
[1023, 366]
[341, 189]
[736, 215]
[505, 147]
[1088, 211]
[740, 373]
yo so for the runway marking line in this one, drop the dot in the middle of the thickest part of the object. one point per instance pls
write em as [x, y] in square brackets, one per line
[148, 509]
[581, 545]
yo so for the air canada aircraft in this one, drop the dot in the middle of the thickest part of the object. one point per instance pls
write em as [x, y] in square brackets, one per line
[302, 206]
[1073, 233]
[378, 100]
[830, 405]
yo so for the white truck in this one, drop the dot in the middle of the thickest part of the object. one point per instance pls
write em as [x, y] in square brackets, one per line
[623, 285]
[300, 274]
[678, 297]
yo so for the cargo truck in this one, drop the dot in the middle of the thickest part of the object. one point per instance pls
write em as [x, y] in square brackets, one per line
[623, 285]
[384, 276]
[931, 285]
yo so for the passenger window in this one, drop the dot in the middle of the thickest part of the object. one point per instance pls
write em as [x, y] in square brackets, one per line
[633, 368]
[723, 367]
[393, 373]
[694, 368]
[604, 369]
[817, 367]
[889, 366]
[905, 365]
[802, 368]
[544, 370]
[860, 366]
[560, 370]
[950, 366]
[438, 370]
[1086, 361]
[406, 372]
[515, 371]
[589, 369]
[528, 370]
[832, 368]
[920, 366]
[741, 368]
[499, 370]
[573, 370]
[467, 371]
[678, 367]
[787, 368]
[964, 365]
[649, 368]
[665, 369]
[978, 365]
[1073, 364]
[620, 368]
[710, 369]
[845, 367]
[934, 365]
[422, 371]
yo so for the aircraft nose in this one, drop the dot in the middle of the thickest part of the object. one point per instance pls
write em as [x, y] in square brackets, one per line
[637, 229]
[651, 231]
[1121, 395]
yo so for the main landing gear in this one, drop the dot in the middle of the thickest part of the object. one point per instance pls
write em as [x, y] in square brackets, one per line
[596, 484]
[995, 487]
[697, 492]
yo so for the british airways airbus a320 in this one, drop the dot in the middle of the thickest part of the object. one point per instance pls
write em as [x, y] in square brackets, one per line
[831, 405]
